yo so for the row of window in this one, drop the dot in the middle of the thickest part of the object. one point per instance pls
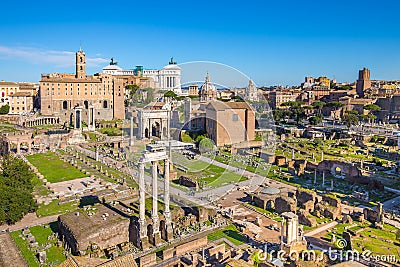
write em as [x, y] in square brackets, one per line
[66, 93]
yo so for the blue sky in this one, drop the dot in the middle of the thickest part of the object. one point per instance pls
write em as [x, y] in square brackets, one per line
[274, 42]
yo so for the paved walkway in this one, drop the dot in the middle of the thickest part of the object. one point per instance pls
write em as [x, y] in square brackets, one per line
[29, 220]
[322, 228]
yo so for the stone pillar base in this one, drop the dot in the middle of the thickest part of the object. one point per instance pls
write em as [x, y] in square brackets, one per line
[156, 239]
[145, 242]
[170, 234]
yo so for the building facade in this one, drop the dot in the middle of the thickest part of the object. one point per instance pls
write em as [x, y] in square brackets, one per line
[251, 92]
[168, 78]
[60, 93]
[21, 103]
[7, 89]
[230, 123]
[208, 90]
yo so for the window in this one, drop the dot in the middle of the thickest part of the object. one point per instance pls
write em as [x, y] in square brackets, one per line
[235, 117]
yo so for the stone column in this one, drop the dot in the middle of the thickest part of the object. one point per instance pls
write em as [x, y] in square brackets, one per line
[323, 178]
[97, 153]
[154, 213]
[18, 148]
[289, 231]
[282, 230]
[142, 207]
[74, 119]
[131, 133]
[167, 213]
[89, 119]
[93, 120]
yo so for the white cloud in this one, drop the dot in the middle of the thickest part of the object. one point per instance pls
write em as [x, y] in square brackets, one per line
[38, 56]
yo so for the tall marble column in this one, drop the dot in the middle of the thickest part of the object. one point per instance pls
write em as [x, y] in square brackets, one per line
[167, 213]
[131, 133]
[142, 201]
[89, 119]
[18, 148]
[154, 213]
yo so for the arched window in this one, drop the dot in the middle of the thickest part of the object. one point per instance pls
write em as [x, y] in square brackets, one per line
[65, 105]
[105, 104]
[86, 104]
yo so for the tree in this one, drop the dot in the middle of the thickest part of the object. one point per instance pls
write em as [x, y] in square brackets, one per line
[4, 109]
[206, 145]
[16, 186]
[317, 119]
[367, 117]
[372, 107]
[318, 105]
[349, 120]
[355, 112]
[170, 94]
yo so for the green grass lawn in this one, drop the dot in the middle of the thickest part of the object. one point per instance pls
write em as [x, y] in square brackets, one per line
[53, 168]
[230, 232]
[206, 174]
[54, 254]
[378, 245]
[39, 188]
[54, 208]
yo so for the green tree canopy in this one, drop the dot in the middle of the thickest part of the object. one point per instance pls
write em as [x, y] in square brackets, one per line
[170, 94]
[349, 120]
[317, 119]
[16, 189]
[335, 104]
[372, 107]
[318, 105]
[4, 109]
[355, 112]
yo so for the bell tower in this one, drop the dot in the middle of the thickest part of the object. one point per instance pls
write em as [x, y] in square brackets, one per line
[80, 64]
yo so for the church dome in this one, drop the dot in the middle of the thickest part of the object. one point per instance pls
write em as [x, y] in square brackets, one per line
[207, 85]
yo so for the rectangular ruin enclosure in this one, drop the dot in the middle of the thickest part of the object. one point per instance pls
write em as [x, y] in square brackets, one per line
[53, 168]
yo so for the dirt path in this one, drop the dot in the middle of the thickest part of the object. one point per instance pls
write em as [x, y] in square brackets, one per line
[322, 228]
[10, 256]
[29, 220]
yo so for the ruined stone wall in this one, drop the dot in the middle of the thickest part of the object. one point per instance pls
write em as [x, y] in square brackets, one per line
[285, 204]
[192, 245]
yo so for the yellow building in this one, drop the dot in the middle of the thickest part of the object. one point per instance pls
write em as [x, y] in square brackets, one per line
[324, 81]
[20, 103]
[6, 90]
